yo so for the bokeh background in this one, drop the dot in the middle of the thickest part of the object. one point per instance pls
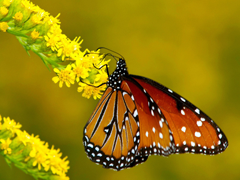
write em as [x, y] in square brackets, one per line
[192, 47]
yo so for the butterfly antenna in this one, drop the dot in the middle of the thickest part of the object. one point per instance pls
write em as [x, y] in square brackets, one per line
[112, 52]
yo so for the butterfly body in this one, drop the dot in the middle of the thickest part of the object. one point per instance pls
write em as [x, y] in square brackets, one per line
[138, 117]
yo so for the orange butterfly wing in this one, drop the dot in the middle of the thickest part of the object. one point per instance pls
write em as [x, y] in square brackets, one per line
[193, 131]
[111, 136]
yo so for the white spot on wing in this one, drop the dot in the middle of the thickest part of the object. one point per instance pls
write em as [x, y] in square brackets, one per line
[182, 99]
[132, 97]
[170, 90]
[197, 134]
[153, 129]
[199, 123]
[152, 112]
[192, 143]
[197, 111]
[146, 133]
[161, 135]
[160, 123]
[183, 129]
[124, 93]
[135, 113]
[90, 145]
[182, 112]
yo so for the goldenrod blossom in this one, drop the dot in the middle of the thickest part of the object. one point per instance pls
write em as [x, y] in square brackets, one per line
[4, 26]
[11, 125]
[18, 16]
[5, 146]
[7, 2]
[80, 71]
[29, 153]
[64, 76]
[3, 11]
[35, 34]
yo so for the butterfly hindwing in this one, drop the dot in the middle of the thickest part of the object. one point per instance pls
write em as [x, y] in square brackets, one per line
[155, 134]
[193, 131]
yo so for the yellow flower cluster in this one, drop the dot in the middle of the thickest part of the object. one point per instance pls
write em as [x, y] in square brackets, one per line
[29, 153]
[40, 32]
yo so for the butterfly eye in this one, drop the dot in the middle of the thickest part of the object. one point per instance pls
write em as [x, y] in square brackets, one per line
[138, 117]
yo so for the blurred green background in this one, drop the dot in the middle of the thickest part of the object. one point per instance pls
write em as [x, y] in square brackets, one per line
[192, 47]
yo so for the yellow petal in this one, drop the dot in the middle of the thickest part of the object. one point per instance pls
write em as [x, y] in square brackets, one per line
[56, 70]
[55, 79]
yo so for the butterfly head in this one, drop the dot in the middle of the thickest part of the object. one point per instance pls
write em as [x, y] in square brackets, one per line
[115, 79]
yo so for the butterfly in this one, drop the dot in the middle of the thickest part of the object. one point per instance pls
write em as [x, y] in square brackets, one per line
[138, 117]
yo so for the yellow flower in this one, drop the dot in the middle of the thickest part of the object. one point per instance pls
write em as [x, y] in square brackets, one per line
[27, 4]
[64, 76]
[54, 162]
[5, 146]
[23, 136]
[3, 11]
[18, 16]
[69, 48]
[97, 92]
[80, 71]
[4, 26]
[38, 17]
[53, 20]
[55, 30]
[88, 91]
[11, 125]
[34, 34]
[52, 41]
[40, 158]
[7, 3]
